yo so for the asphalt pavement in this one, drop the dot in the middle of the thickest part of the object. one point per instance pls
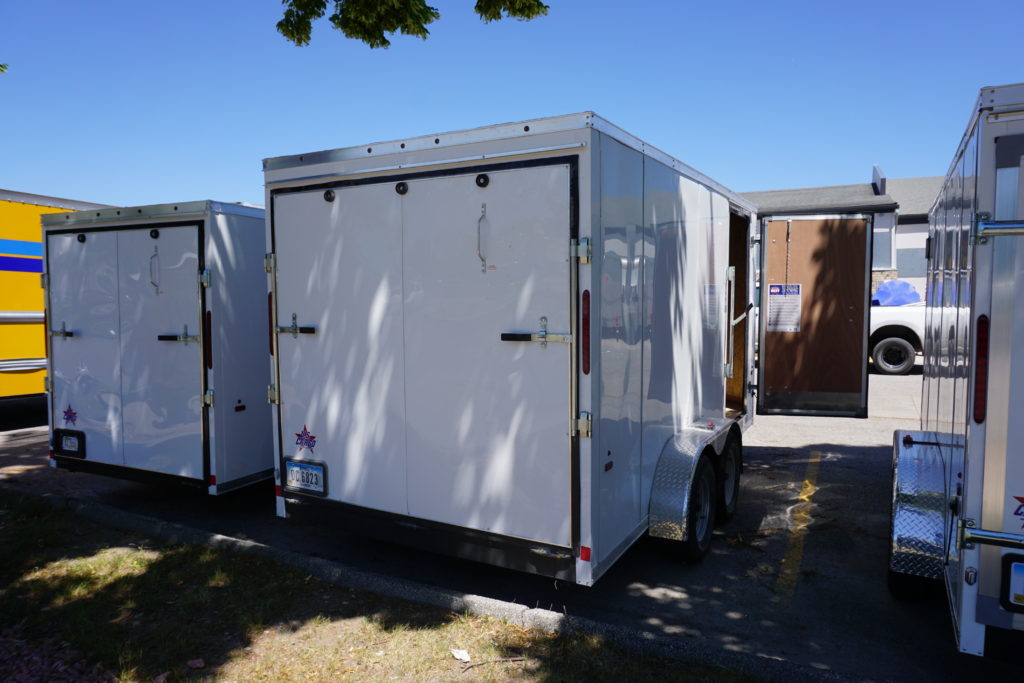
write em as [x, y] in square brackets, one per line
[794, 586]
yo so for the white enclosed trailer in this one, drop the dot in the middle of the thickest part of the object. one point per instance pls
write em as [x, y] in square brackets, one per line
[523, 344]
[958, 485]
[158, 342]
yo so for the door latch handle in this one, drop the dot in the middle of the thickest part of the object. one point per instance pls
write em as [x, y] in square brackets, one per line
[295, 329]
[62, 332]
[543, 336]
[183, 337]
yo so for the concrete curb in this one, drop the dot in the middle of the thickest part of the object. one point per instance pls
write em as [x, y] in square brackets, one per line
[680, 648]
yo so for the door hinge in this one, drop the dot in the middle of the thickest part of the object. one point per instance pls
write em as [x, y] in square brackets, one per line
[273, 396]
[269, 262]
[46, 384]
[581, 250]
[43, 280]
[208, 398]
[204, 277]
[582, 427]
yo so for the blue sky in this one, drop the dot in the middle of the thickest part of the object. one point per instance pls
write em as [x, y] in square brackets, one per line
[135, 102]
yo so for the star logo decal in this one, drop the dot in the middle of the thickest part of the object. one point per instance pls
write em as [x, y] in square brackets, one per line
[70, 416]
[1019, 512]
[305, 440]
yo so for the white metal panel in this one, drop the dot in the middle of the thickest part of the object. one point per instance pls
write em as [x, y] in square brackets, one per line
[85, 369]
[339, 269]
[621, 327]
[488, 420]
[161, 380]
[237, 303]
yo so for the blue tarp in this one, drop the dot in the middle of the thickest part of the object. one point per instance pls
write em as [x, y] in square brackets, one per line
[895, 293]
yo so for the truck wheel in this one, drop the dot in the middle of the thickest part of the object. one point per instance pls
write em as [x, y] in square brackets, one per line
[700, 518]
[730, 467]
[893, 356]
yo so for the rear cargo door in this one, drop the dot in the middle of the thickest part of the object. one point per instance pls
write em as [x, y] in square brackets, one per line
[341, 345]
[815, 283]
[85, 368]
[161, 349]
[487, 255]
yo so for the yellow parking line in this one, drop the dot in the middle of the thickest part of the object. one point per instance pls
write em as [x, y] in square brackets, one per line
[800, 519]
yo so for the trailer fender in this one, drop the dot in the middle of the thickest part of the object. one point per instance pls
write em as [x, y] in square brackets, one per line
[919, 505]
[670, 487]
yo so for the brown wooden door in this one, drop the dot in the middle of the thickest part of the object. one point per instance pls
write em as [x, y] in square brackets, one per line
[814, 304]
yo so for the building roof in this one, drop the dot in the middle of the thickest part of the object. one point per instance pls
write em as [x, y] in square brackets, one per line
[834, 198]
[43, 200]
[914, 195]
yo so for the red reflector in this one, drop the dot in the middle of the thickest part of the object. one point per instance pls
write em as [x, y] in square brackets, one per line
[585, 332]
[213, 480]
[585, 553]
[908, 441]
[981, 369]
[50, 453]
[270, 320]
[208, 340]
[278, 491]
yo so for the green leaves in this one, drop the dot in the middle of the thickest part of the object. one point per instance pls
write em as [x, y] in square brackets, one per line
[524, 10]
[3, 68]
[370, 20]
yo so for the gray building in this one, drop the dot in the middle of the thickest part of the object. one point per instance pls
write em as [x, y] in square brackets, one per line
[898, 207]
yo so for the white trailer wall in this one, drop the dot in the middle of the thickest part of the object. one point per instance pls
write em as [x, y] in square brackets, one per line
[664, 253]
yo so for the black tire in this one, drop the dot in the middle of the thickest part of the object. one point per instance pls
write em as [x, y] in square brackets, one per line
[910, 588]
[730, 466]
[700, 517]
[894, 356]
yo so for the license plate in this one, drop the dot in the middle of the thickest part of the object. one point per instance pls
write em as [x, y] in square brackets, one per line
[304, 477]
[69, 444]
[1017, 584]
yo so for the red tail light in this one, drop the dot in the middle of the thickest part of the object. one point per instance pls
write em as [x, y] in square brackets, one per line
[585, 332]
[981, 369]
[270, 320]
[208, 340]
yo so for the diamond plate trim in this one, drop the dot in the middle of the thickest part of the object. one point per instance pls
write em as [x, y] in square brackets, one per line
[918, 506]
[670, 488]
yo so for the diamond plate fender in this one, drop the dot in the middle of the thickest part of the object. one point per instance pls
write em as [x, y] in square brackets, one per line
[919, 505]
[670, 487]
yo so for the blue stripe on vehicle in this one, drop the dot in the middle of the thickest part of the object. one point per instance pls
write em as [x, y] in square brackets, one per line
[21, 248]
[21, 265]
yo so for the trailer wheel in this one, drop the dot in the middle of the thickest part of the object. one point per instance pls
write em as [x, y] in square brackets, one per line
[700, 518]
[893, 356]
[730, 466]
[910, 588]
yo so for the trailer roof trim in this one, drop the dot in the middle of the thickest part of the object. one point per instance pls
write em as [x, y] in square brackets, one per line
[991, 100]
[554, 124]
[178, 210]
[44, 200]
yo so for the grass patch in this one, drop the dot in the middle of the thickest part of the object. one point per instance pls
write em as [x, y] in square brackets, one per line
[141, 609]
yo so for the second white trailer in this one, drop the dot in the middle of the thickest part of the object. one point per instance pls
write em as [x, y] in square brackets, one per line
[523, 344]
[958, 483]
[157, 343]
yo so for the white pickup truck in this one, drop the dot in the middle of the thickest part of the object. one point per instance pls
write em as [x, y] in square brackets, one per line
[895, 337]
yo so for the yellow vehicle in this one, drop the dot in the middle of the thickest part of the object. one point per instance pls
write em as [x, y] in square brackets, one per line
[22, 325]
